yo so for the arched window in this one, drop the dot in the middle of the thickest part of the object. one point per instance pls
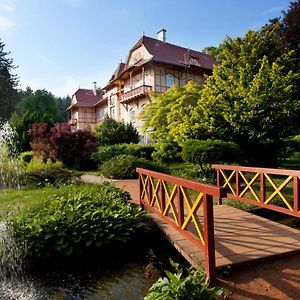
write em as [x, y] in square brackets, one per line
[169, 80]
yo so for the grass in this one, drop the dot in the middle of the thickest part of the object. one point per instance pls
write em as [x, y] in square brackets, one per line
[30, 199]
[292, 162]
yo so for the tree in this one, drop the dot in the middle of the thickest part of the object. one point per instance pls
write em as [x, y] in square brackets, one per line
[250, 98]
[38, 106]
[8, 84]
[60, 143]
[42, 103]
[21, 125]
[168, 116]
[291, 29]
[215, 52]
[62, 104]
[112, 132]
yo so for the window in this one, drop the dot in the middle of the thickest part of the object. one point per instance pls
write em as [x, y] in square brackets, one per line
[112, 100]
[132, 115]
[112, 112]
[169, 80]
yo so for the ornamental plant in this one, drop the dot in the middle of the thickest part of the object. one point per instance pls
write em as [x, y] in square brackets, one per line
[123, 167]
[105, 153]
[112, 132]
[60, 143]
[177, 286]
[76, 222]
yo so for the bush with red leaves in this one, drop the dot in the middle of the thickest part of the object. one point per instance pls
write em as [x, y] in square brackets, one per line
[73, 148]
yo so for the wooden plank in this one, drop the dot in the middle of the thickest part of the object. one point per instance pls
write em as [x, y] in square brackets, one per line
[243, 238]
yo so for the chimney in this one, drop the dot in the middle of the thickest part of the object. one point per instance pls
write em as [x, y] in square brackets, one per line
[161, 35]
[95, 88]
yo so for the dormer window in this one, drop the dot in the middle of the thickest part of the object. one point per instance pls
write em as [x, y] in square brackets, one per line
[170, 80]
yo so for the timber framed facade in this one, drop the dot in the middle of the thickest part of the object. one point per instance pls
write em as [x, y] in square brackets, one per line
[152, 65]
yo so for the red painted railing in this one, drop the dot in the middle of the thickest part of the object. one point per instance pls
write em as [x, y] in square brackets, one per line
[186, 205]
[274, 189]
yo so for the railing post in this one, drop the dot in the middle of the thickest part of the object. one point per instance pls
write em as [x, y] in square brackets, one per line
[210, 259]
[150, 189]
[296, 193]
[219, 185]
[141, 189]
[180, 207]
[237, 183]
[262, 187]
[162, 197]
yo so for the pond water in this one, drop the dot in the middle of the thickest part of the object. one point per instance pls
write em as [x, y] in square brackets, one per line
[124, 272]
[129, 282]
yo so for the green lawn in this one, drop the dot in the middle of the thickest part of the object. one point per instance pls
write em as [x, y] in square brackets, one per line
[29, 199]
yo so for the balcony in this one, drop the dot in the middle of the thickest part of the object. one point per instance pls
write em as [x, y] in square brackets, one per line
[136, 93]
[72, 122]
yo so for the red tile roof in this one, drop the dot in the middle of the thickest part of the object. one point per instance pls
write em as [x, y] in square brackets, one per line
[118, 71]
[86, 98]
[172, 54]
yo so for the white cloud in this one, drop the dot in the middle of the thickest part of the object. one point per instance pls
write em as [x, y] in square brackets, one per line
[5, 24]
[6, 7]
[273, 10]
[7, 16]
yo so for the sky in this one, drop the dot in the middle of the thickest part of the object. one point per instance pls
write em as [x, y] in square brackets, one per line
[61, 45]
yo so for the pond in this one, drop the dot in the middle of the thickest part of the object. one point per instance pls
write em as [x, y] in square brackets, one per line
[127, 272]
[130, 282]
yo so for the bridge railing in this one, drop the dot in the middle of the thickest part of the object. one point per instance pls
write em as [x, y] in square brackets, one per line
[186, 205]
[275, 189]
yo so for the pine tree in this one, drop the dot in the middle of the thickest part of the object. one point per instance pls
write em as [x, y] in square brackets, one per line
[8, 84]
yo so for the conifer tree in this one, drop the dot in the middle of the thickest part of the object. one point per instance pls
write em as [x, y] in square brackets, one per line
[8, 84]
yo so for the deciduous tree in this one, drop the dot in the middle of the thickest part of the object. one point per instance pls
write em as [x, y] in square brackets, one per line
[250, 98]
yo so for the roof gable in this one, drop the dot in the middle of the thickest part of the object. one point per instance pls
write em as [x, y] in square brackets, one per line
[172, 54]
[86, 97]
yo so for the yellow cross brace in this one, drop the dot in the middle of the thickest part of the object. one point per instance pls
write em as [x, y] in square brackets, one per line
[227, 180]
[248, 186]
[277, 191]
[154, 194]
[170, 202]
[193, 213]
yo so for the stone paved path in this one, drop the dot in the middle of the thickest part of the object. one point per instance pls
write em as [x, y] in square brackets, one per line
[129, 185]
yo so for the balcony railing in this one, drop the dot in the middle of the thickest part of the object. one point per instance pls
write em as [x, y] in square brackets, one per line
[136, 93]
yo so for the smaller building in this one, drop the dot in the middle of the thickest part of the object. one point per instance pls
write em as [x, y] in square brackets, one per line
[82, 111]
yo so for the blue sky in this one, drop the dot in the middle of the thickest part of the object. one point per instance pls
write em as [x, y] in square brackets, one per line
[60, 45]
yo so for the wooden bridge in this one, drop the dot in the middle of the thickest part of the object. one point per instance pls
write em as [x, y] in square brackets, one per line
[220, 235]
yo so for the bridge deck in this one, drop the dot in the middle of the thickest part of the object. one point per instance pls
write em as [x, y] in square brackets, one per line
[240, 237]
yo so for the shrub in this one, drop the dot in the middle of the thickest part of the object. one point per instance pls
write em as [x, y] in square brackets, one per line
[166, 151]
[76, 222]
[194, 172]
[108, 152]
[205, 152]
[39, 174]
[210, 151]
[123, 166]
[26, 157]
[73, 148]
[111, 132]
[176, 286]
